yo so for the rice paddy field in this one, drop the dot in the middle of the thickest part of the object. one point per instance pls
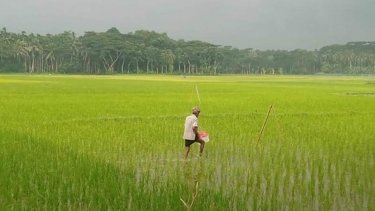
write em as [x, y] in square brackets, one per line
[115, 143]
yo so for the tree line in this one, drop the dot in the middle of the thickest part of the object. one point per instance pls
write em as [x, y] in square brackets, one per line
[112, 52]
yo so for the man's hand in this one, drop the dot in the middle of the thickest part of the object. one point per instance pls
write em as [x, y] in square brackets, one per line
[197, 138]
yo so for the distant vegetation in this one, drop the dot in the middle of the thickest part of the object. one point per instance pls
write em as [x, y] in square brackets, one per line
[143, 51]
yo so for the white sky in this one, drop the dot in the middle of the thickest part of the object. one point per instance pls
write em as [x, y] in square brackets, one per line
[259, 24]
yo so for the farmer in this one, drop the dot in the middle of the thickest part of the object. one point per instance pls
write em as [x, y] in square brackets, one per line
[191, 134]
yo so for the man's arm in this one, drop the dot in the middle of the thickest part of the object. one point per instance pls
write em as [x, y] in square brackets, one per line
[195, 130]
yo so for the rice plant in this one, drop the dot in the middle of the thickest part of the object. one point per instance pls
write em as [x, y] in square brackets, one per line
[115, 143]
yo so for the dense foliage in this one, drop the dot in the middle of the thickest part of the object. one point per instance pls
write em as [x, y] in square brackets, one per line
[151, 52]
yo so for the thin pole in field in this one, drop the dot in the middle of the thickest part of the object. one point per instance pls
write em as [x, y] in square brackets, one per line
[264, 125]
[199, 98]
[192, 92]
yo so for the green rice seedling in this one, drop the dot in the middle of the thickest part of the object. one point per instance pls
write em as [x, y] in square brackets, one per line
[115, 143]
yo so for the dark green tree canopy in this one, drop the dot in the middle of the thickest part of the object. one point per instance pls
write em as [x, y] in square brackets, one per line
[152, 52]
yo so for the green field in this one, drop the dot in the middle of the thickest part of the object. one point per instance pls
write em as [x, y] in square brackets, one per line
[115, 143]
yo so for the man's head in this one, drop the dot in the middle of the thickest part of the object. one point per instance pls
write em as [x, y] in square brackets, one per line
[196, 111]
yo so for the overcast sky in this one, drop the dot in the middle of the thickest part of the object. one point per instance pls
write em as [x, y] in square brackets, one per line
[259, 24]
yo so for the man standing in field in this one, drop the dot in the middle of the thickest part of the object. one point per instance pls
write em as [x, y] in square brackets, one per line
[191, 134]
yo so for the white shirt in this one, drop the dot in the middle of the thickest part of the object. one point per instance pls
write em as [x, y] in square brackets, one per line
[190, 122]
